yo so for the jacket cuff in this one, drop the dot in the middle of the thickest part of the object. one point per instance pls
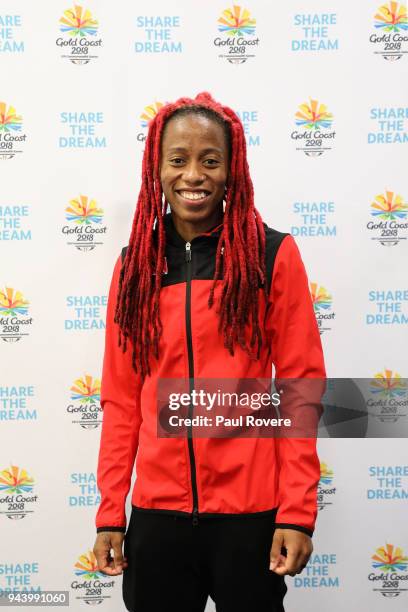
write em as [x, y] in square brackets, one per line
[99, 529]
[305, 530]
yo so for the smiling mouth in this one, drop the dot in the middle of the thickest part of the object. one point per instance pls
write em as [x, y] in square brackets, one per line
[193, 195]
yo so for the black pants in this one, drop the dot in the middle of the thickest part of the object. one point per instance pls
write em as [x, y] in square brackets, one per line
[173, 565]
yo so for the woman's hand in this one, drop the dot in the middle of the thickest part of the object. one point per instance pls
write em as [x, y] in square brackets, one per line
[299, 547]
[105, 541]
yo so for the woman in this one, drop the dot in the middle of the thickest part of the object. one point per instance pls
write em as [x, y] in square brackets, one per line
[204, 290]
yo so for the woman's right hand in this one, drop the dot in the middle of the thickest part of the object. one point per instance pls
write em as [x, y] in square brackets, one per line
[105, 541]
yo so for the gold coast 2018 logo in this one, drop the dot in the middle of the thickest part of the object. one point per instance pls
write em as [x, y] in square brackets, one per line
[85, 403]
[390, 573]
[15, 321]
[237, 40]
[322, 306]
[314, 135]
[389, 219]
[85, 230]
[17, 497]
[79, 42]
[12, 136]
[388, 396]
[390, 38]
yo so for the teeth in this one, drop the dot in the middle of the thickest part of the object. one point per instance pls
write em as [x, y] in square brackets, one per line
[189, 195]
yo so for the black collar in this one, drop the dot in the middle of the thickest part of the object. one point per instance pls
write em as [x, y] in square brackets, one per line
[173, 237]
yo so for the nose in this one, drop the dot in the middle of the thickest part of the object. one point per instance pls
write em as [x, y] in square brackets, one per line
[192, 173]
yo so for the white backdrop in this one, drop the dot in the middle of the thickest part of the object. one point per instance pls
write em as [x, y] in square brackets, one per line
[336, 58]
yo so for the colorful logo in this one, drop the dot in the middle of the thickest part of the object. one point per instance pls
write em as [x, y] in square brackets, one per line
[389, 207]
[9, 120]
[86, 389]
[78, 22]
[390, 558]
[12, 303]
[14, 480]
[391, 17]
[83, 211]
[388, 384]
[313, 116]
[149, 113]
[87, 566]
[236, 22]
[320, 298]
[326, 474]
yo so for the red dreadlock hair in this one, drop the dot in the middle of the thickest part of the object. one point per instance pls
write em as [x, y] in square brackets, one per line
[242, 236]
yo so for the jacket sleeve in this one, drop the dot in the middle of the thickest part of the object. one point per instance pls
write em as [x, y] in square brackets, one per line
[296, 353]
[120, 402]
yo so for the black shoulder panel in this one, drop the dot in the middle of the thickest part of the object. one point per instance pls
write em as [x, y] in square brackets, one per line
[273, 240]
[204, 265]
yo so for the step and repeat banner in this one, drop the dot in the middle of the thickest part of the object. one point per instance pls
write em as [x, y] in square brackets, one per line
[321, 89]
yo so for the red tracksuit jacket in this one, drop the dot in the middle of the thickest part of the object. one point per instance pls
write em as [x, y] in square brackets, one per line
[204, 477]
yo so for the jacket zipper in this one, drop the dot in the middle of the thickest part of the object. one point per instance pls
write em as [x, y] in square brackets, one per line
[191, 383]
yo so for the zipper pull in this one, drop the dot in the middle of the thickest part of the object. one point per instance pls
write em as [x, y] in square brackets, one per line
[188, 251]
[195, 516]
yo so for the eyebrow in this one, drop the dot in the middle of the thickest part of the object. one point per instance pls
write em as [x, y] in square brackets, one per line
[204, 152]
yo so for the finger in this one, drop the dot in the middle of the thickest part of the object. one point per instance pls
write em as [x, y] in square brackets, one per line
[103, 558]
[100, 556]
[288, 566]
[118, 560]
[293, 562]
[275, 555]
[280, 566]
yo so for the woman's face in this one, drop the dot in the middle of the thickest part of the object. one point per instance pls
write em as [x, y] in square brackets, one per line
[194, 167]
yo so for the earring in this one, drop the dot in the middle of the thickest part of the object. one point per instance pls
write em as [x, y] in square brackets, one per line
[224, 203]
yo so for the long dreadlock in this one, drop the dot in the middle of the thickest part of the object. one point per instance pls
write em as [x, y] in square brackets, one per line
[240, 250]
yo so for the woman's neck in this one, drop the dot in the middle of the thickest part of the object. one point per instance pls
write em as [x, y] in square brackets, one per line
[189, 230]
